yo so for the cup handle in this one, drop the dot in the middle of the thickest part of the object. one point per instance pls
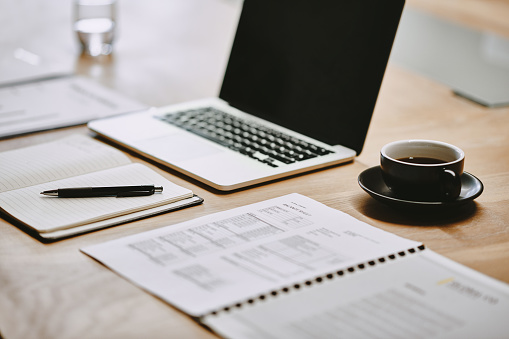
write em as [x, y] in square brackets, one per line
[451, 184]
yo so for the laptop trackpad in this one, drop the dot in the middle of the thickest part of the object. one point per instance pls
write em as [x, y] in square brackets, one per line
[176, 147]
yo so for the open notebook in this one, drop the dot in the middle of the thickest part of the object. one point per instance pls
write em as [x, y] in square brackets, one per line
[79, 161]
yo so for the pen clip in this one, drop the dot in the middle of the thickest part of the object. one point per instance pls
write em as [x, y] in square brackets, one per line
[134, 194]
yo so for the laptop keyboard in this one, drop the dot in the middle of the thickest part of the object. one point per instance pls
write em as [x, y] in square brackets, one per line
[256, 141]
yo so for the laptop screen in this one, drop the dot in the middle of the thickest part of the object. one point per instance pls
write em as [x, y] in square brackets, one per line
[313, 66]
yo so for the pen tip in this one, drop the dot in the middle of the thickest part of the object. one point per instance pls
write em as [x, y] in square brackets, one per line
[50, 192]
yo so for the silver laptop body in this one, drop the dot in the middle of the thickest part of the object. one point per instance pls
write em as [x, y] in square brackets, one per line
[309, 71]
[204, 160]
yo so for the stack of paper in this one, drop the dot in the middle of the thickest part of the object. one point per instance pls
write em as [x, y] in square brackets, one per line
[37, 93]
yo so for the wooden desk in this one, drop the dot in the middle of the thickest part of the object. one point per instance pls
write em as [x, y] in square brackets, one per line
[171, 51]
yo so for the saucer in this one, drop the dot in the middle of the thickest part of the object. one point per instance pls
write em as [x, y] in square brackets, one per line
[372, 182]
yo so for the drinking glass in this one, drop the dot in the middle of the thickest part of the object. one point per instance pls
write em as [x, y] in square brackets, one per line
[94, 24]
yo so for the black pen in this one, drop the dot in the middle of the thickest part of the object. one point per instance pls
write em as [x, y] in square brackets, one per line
[113, 191]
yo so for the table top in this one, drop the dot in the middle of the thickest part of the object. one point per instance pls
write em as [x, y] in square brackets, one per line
[173, 51]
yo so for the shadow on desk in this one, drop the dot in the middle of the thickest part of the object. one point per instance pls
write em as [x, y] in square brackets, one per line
[415, 217]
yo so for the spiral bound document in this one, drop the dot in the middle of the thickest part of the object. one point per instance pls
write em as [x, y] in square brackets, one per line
[291, 267]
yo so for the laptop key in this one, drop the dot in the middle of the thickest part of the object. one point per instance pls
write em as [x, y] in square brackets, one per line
[281, 158]
[258, 142]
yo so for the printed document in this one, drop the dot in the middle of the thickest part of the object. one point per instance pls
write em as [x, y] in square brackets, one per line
[226, 258]
[59, 102]
[24, 64]
[292, 268]
[421, 296]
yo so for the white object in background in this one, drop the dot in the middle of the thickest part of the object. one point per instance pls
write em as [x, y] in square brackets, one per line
[19, 65]
[58, 102]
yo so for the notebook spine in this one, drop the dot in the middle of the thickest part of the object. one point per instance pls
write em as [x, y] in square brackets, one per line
[319, 279]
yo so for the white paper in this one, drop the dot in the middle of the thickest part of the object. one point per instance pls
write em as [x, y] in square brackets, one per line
[54, 160]
[121, 219]
[58, 102]
[20, 64]
[46, 213]
[222, 259]
[421, 296]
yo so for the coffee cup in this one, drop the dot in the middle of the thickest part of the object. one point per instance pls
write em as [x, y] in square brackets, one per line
[422, 170]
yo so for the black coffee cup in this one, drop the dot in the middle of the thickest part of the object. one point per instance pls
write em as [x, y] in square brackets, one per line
[423, 170]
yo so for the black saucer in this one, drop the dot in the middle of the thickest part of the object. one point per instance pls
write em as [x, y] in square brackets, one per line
[372, 182]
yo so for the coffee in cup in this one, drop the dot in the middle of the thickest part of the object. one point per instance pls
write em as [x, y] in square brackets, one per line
[423, 170]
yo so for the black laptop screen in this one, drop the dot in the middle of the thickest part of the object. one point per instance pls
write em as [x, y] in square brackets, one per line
[314, 66]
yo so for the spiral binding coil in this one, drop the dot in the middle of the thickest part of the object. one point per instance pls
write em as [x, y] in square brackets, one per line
[319, 279]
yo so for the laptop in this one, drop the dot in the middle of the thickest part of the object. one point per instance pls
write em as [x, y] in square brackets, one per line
[298, 94]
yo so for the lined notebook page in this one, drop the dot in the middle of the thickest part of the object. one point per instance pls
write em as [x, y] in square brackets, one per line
[64, 158]
[46, 214]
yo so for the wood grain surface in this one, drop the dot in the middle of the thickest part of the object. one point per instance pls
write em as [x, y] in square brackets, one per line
[173, 51]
